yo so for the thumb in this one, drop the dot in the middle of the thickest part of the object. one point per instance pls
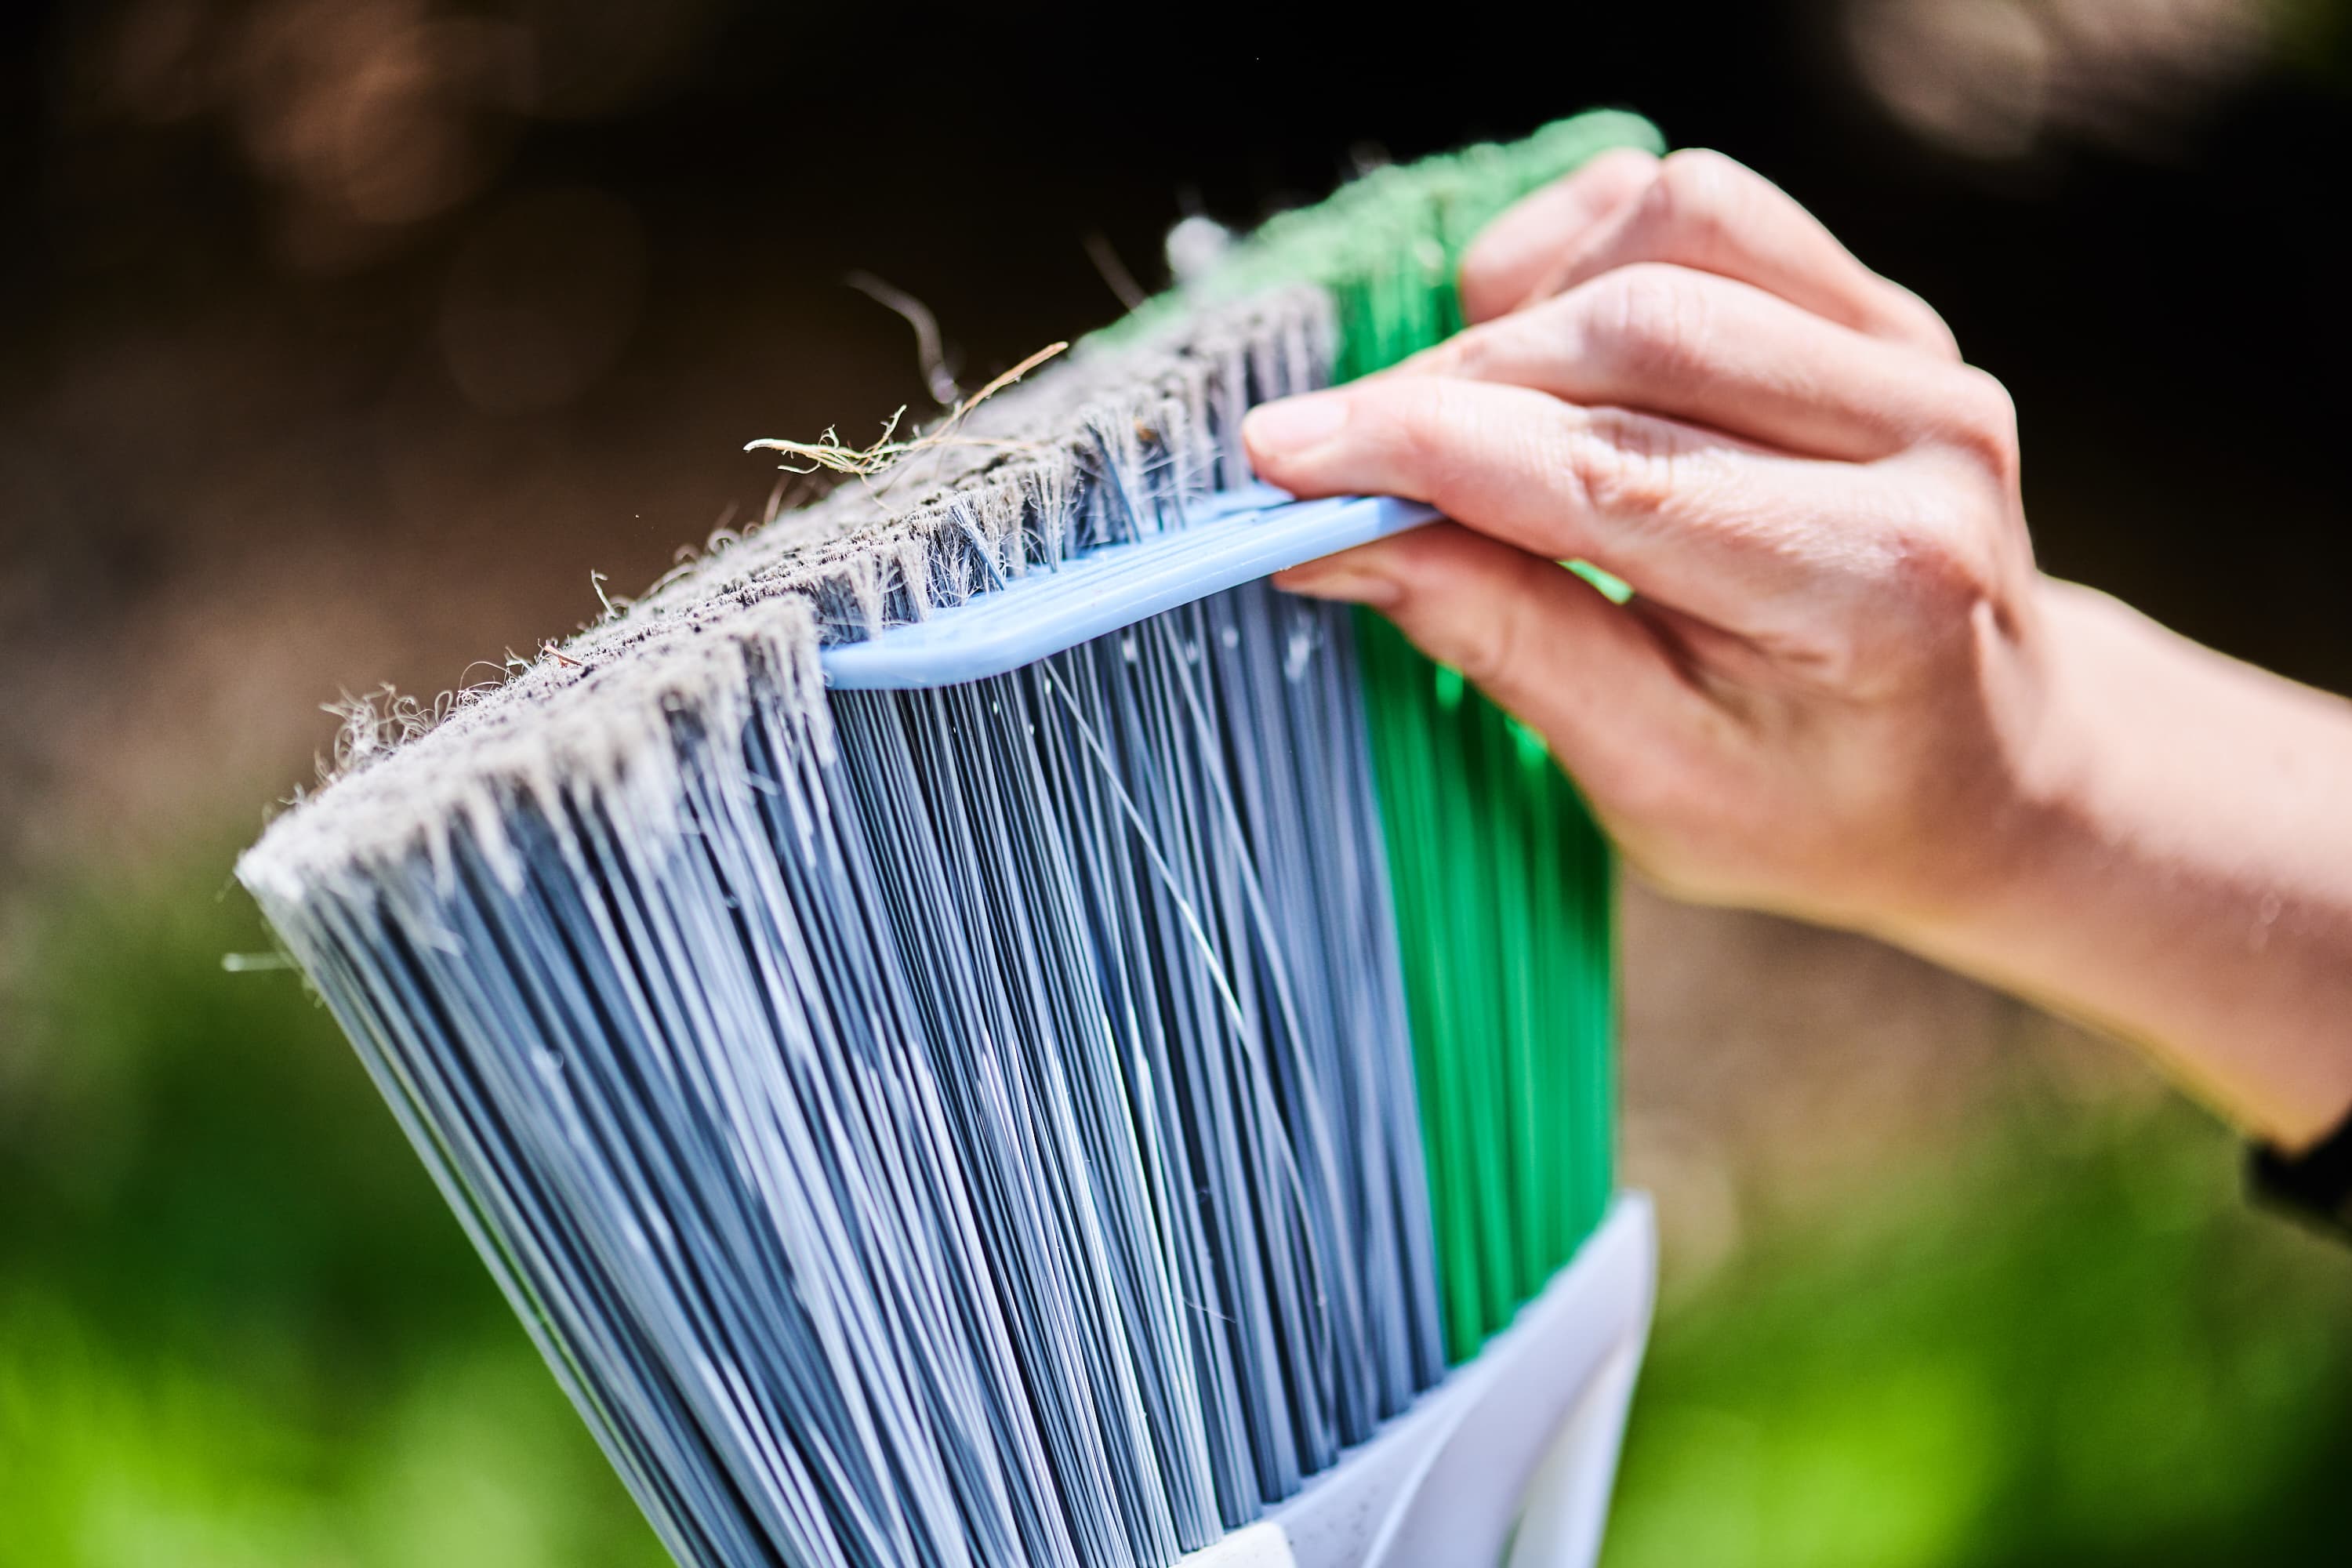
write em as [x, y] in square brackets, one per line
[1589, 676]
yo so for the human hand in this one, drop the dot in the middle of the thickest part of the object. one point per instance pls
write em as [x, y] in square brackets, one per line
[1827, 696]
[1843, 690]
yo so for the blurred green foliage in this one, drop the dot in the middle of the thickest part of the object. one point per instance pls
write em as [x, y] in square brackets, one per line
[236, 1326]
[2066, 1339]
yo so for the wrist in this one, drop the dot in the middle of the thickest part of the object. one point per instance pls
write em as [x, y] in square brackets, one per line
[2171, 870]
[2027, 812]
[2060, 812]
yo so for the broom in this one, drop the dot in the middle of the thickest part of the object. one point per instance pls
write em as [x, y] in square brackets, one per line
[971, 1030]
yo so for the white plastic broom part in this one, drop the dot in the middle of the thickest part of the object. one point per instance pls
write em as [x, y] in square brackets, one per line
[1508, 1462]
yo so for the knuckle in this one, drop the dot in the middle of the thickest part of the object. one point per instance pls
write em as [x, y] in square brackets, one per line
[1918, 320]
[1488, 648]
[1700, 166]
[1929, 569]
[1699, 192]
[1934, 579]
[1472, 354]
[1983, 423]
[1621, 168]
[1484, 276]
[1651, 324]
[1417, 424]
[1623, 466]
[1454, 611]
[1427, 422]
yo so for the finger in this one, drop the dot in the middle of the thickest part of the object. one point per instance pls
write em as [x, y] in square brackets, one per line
[1699, 347]
[1708, 523]
[1587, 675]
[1519, 250]
[1705, 211]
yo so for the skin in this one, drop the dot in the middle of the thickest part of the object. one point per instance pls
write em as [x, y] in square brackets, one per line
[1844, 691]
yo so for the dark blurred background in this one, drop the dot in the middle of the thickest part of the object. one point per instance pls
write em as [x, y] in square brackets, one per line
[342, 341]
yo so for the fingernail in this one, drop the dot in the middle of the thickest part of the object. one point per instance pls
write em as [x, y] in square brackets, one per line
[1350, 584]
[1294, 425]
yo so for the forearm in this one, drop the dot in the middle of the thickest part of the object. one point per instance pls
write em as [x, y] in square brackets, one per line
[2183, 876]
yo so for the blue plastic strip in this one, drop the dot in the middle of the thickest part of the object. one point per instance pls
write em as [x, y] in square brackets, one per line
[1247, 534]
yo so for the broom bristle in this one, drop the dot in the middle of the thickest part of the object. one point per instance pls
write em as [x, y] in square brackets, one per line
[980, 1126]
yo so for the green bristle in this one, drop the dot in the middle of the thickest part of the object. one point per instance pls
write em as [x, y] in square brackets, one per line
[1502, 883]
[1502, 887]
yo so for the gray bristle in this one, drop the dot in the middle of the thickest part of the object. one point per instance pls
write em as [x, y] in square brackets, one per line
[1097, 449]
[973, 1126]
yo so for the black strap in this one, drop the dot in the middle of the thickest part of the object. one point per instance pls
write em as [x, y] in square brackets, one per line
[2315, 1185]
